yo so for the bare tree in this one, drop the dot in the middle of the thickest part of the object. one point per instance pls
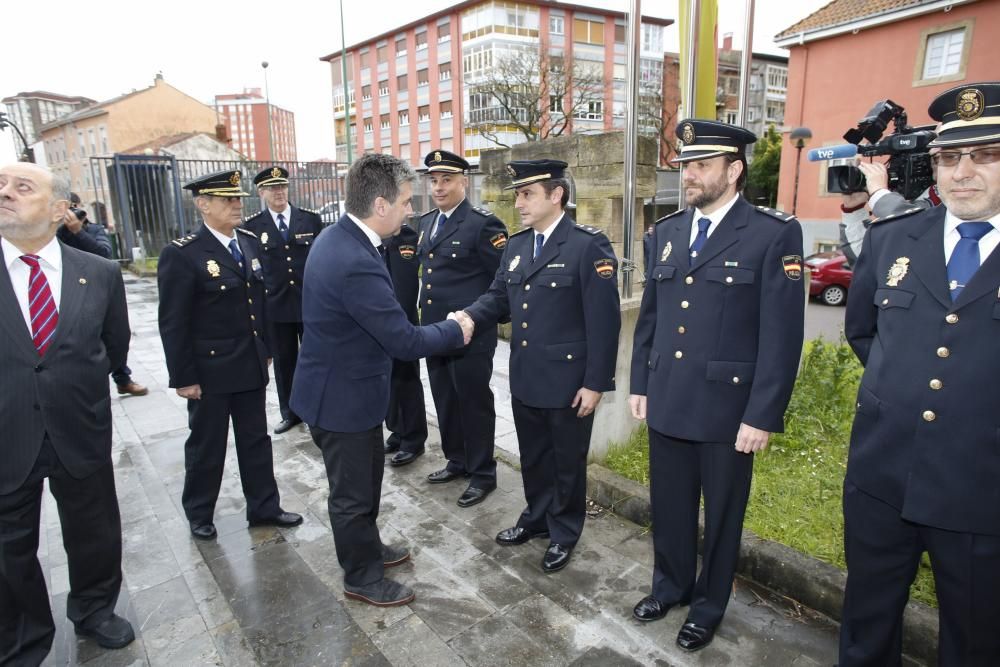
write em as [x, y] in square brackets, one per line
[532, 94]
[657, 122]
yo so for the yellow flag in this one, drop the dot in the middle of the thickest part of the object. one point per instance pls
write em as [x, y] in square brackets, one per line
[706, 75]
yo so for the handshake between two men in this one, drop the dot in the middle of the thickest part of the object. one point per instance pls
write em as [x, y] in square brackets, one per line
[464, 321]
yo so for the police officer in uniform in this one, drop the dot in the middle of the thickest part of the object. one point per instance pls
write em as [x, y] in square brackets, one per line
[558, 284]
[715, 355]
[407, 416]
[923, 472]
[460, 247]
[212, 320]
[286, 234]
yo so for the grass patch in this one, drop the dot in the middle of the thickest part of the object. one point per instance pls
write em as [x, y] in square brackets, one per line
[148, 264]
[798, 480]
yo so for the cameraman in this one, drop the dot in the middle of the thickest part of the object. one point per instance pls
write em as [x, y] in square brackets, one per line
[882, 202]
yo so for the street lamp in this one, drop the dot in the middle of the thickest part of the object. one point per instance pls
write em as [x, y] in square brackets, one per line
[800, 136]
[267, 99]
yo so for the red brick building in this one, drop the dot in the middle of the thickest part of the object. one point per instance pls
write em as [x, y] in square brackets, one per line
[245, 116]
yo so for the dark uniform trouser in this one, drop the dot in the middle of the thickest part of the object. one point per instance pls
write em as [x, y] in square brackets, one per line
[463, 399]
[679, 472]
[354, 465]
[553, 444]
[407, 416]
[205, 455]
[285, 340]
[883, 552]
[92, 537]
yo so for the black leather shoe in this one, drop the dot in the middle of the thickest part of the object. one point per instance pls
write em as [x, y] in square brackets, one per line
[390, 447]
[383, 593]
[444, 475]
[114, 632]
[556, 558]
[282, 520]
[403, 458]
[474, 495]
[693, 636]
[518, 535]
[650, 609]
[286, 425]
[393, 556]
[205, 531]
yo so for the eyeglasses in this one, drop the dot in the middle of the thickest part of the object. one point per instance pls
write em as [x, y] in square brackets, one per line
[952, 158]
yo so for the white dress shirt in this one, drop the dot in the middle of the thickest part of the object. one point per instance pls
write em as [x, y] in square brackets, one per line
[375, 239]
[447, 214]
[987, 244]
[223, 239]
[50, 261]
[716, 217]
[547, 233]
[287, 213]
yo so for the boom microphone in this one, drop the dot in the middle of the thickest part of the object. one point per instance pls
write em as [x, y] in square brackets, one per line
[833, 152]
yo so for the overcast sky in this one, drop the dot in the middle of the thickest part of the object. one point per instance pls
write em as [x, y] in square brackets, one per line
[100, 48]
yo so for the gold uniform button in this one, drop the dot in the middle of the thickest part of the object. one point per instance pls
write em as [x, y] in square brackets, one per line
[453, 255]
[289, 270]
[430, 270]
[291, 282]
[287, 247]
[689, 280]
[222, 287]
[729, 280]
[929, 415]
[524, 325]
[936, 384]
[684, 304]
[249, 300]
[524, 343]
[289, 258]
[429, 302]
[527, 287]
[430, 256]
[678, 354]
[524, 306]
[943, 352]
[681, 329]
[254, 332]
[211, 353]
[252, 317]
[552, 285]
[248, 284]
[885, 302]
[569, 357]
[736, 380]
[427, 286]
[951, 318]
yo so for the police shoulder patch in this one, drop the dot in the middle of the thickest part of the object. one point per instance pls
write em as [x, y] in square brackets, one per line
[499, 241]
[593, 231]
[605, 267]
[776, 214]
[308, 210]
[246, 231]
[895, 216]
[671, 215]
[184, 240]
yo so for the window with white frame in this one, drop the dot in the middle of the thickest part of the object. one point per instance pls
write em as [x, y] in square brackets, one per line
[404, 117]
[556, 25]
[943, 55]
[591, 111]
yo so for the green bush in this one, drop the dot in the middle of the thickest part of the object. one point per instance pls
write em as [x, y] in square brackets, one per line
[798, 480]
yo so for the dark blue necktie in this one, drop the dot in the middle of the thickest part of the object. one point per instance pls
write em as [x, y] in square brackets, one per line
[234, 248]
[699, 240]
[539, 242]
[282, 227]
[964, 261]
[437, 230]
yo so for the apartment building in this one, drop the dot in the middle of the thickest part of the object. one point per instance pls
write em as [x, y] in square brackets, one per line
[254, 126]
[31, 110]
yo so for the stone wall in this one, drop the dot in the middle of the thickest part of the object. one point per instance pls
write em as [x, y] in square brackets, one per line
[597, 169]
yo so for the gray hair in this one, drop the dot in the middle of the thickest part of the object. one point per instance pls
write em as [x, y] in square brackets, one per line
[372, 176]
[60, 187]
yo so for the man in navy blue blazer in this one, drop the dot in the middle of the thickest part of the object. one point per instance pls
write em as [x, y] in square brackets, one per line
[354, 328]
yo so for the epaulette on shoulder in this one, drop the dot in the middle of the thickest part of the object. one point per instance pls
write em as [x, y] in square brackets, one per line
[485, 212]
[896, 216]
[521, 231]
[671, 215]
[776, 214]
[252, 216]
[593, 231]
[309, 210]
[184, 240]
[246, 231]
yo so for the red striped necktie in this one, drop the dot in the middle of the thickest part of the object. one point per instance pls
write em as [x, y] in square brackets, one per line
[41, 306]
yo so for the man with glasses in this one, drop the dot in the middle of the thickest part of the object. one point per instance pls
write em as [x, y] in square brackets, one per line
[286, 234]
[923, 316]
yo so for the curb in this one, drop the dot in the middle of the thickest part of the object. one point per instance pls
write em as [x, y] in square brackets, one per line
[810, 581]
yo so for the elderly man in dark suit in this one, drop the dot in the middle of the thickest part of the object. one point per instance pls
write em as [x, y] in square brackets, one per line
[558, 284]
[212, 324]
[923, 472]
[354, 328]
[286, 235]
[715, 355]
[63, 327]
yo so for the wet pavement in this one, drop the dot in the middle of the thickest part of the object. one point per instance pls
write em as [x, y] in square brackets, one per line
[270, 596]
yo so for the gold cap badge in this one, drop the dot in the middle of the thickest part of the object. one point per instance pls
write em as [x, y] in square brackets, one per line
[234, 180]
[275, 173]
[970, 104]
[687, 133]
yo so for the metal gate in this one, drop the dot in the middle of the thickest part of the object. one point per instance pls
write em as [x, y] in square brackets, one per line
[141, 200]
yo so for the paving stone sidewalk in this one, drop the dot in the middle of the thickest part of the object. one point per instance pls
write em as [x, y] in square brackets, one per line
[274, 597]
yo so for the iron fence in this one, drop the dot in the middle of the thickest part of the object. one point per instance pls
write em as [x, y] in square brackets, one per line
[140, 198]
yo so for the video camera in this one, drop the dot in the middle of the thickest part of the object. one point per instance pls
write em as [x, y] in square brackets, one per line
[909, 166]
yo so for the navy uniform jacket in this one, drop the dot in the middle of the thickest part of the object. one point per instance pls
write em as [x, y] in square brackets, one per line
[285, 261]
[354, 328]
[718, 342]
[401, 256]
[211, 315]
[926, 436]
[459, 265]
[564, 311]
